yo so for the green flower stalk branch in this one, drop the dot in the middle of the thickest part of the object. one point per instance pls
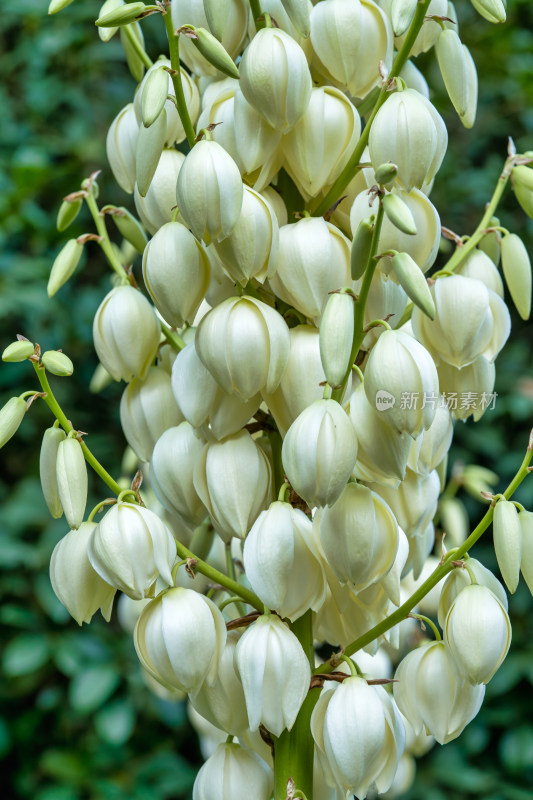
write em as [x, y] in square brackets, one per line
[175, 74]
[137, 46]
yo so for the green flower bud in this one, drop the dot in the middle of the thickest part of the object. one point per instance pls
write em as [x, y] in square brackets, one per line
[508, 542]
[18, 351]
[154, 95]
[135, 62]
[517, 272]
[57, 363]
[212, 50]
[64, 265]
[399, 213]
[522, 180]
[71, 474]
[491, 242]
[402, 13]
[11, 415]
[47, 469]
[58, 5]
[68, 211]
[217, 13]
[459, 75]
[123, 15]
[385, 173]
[493, 10]
[149, 148]
[130, 228]
[360, 250]
[336, 336]
[106, 34]
[412, 280]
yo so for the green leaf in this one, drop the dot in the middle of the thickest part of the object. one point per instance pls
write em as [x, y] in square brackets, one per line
[25, 654]
[91, 688]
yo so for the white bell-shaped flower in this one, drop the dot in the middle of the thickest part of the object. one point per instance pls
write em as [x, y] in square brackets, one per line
[313, 260]
[244, 344]
[275, 673]
[233, 773]
[280, 563]
[382, 452]
[220, 113]
[179, 639]
[468, 390]
[147, 409]
[384, 297]
[507, 535]
[319, 452]
[275, 78]
[359, 736]
[126, 333]
[233, 480]
[413, 502]
[470, 321]
[317, 148]
[409, 131]
[171, 473]
[130, 548]
[401, 380]
[209, 191]
[176, 273]
[175, 132]
[336, 336]
[459, 579]
[428, 449]
[74, 581]
[204, 404]
[359, 535]
[422, 247]
[251, 249]
[121, 146]
[72, 480]
[157, 207]
[223, 703]
[350, 39]
[432, 696]
[478, 632]
[429, 30]
[479, 265]
[255, 139]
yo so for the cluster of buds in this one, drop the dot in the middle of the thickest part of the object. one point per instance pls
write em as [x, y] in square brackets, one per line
[287, 385]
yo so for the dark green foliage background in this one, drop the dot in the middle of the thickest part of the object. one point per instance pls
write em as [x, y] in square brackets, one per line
[76, 721]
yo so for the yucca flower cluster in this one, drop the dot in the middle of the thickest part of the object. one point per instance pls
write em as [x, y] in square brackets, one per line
[293, 380]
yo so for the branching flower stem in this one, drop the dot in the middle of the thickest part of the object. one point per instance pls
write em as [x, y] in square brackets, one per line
[440, 572]
[137, 46]
[399, 62]
[105, 241]
[181, 105]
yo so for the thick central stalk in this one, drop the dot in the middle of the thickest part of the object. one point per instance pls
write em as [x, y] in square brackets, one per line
[294, 749]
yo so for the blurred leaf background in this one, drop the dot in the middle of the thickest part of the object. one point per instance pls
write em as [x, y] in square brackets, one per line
[76, 720]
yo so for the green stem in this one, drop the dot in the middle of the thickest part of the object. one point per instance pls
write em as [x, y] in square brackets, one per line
[105, 241]
[274, 438]
[360, 303]
[230, 569]
[173, 338]
[399, 62]
[440, 572]
[218, 577]
[294, 749]
[137, 46]
[255, 7]
[181, 105]
[59, 414]
[463, 250]
[431, 624]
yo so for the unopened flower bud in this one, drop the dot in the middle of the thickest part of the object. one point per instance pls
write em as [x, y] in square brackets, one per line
[57, 363]
[275, 674]
[123, 15]
[319, 452]
[409, 131]
[209, 191]
[176, 273]
[386, 173]
[245, 345]
[399, 213]
[72, 483]
[280, 562]
[412, 280]
[459, 579]
[232, 24]
[493, 10]
[522, 181]
[350, 39]
[235, 502]
[399, 364]
[336, 336]
[402, 13]
[130, 548]
[11, 415]
[179, 639]
[517, 271]
[459, 75]
[507, 534]
[478, 632]
[212, 50]
[154, 95]
[64, 265]
[359, 535]
[68, 211]
[150, 143]
[126, 333]
[121, 147]
[360, 249]
[76, 585]
[18, 351]
[47, 469]
[525, 519]
[233, 773]
[275, 78]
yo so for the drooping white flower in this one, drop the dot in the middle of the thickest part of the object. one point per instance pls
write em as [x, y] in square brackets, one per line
[233, 773]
